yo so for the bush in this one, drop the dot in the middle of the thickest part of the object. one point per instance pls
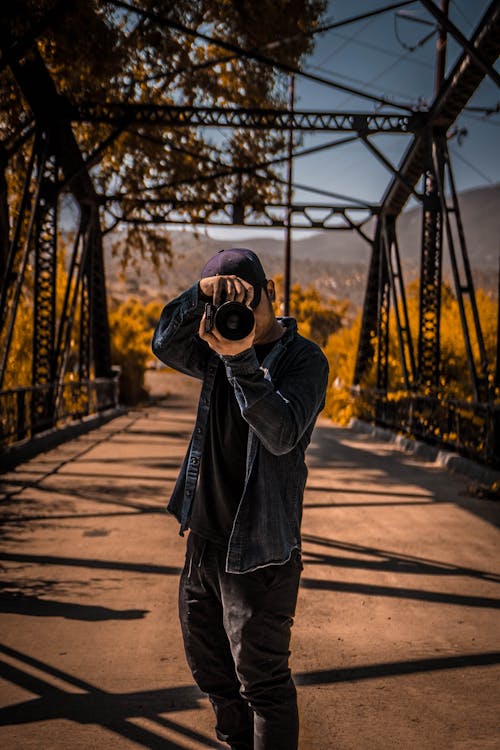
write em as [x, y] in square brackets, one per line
[132, 325]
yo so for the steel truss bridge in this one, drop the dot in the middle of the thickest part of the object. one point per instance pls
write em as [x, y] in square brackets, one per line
[63, 388]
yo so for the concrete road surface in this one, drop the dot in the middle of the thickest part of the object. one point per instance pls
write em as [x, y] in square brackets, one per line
[396, 643]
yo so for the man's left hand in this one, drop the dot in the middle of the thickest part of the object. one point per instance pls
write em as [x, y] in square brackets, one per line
[225, 347]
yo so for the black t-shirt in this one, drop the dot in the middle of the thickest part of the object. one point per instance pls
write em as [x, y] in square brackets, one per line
[223, 461]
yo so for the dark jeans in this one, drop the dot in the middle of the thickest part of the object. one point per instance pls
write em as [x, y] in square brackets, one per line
[236, 630]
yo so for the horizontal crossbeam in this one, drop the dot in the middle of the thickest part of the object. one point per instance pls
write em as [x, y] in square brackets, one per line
[255, 119]
[311, 216]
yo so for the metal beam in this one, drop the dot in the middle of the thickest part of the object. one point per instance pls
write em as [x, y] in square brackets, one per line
[431, 264]
[368, 331]
[476, 54]
[458, 88]
[223, 213]
[49, 109]
[170, 115]
[44, 311]
[393, 261]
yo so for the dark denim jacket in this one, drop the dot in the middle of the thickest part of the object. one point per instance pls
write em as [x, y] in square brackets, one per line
[280, 400]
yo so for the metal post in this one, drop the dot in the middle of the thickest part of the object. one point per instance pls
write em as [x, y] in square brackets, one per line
[45, 291]
[462, 277]
[441, 50]
[98, 308]
[366, 343]
[393, 261]
[288, 227]
[429, 348]
[496, 386]
[430, 278]
[497, 367]
[383, 316]
[4, 216]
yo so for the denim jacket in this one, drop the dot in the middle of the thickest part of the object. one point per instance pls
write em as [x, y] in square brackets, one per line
[280, 399]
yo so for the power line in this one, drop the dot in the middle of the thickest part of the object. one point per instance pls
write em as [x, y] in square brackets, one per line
[462, 158]
[258, 56]
[458, 8]
[383, 50]
[346, 39]
[485, 120]
[373, 85]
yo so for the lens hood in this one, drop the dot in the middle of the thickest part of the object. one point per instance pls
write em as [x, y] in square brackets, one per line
[234, 320]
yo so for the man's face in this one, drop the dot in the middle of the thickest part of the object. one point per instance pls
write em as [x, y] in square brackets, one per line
[264, 313]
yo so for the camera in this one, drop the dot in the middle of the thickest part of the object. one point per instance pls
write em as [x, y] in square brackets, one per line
[233, 320]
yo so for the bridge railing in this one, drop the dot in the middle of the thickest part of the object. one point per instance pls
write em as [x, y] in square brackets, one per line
[25, 412]
[469, 428]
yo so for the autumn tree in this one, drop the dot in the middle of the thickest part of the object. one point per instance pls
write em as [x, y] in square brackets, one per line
[153, 53]
[317, 319]
[131, 324]
[93, 53]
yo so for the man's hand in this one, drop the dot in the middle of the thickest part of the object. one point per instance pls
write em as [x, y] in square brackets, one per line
[225, 289]
[222, 346]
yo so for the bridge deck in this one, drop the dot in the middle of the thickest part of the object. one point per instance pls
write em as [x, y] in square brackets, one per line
[396, 640]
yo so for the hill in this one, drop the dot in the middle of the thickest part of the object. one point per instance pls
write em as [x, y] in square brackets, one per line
[336, 263]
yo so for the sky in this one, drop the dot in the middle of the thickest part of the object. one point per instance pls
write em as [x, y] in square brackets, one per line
[382, 55]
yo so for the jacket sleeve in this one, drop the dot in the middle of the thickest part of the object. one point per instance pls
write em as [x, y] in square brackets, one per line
[279, 413]
[176, 341]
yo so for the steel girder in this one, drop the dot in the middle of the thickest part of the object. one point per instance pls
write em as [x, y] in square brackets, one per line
[4, 215]
[56, 160]
[431, 263]
[367, 336]
[425, 156]
[255, 119]
[385, 288]
[383, 313]
[304, 216]
[390, 248]
[462, 275]
[45, 263]
[457, 89]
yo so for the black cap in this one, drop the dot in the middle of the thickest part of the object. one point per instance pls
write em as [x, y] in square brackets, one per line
[238, 261]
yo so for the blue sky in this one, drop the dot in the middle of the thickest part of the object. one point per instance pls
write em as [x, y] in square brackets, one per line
[378, 55]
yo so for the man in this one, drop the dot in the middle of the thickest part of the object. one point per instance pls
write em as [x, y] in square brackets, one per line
[240, 493]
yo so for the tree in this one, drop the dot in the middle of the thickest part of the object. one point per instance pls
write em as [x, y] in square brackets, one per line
[131, 326]
[316, 319]
[161, 54]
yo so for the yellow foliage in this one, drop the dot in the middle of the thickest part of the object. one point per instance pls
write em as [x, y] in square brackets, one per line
[131, 326]
[18, 372]
[316, 319]
[455, 381]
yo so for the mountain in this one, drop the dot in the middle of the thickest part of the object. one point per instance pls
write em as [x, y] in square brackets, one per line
[336, 263]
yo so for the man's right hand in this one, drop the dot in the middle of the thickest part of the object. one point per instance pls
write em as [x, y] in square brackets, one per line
[226, 289]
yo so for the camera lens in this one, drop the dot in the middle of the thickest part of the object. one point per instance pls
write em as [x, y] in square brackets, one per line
[234, 320]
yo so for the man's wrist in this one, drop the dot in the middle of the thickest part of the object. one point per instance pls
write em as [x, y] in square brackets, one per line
[243, 363]
[203, 297]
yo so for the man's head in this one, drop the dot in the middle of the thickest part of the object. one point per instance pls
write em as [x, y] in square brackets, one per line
[240, 262]
[245, 264]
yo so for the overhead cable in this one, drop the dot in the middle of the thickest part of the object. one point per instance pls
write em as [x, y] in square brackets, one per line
[257, 56]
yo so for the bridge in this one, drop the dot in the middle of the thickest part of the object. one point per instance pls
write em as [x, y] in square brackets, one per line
[54, 147]
[396, 639]
[395, 643]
